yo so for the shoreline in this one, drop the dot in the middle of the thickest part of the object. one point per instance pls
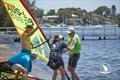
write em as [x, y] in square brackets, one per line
[4, 55]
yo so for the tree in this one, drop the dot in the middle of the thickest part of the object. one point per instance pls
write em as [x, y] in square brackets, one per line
[28, 2]
[66, 13]
[4, 19]
[33, 3]
[38, 13]
[51, 12]
[2, 12]
[118, 17]
[103, 11]
[113, 10]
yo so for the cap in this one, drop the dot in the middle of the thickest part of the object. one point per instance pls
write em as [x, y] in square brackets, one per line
[29, 27]
[60, 36]
[71, 29]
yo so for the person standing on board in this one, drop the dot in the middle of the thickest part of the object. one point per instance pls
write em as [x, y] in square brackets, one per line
[22, 59]
[74, 43]
[55, 59]
[25, 38]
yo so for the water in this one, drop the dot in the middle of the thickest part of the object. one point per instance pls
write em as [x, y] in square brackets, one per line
[94, 54]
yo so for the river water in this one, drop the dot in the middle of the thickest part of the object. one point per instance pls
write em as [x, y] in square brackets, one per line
[95, 54]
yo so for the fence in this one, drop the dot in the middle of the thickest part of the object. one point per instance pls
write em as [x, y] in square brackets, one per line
[87, 32]
[83, 32]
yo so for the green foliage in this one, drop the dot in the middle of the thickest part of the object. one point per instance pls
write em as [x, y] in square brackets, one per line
[103, 11]
[4, 19]
[113, 10]
[51, 12]
[2, 14]
[37, 12]
[103, 14]
[118, 17]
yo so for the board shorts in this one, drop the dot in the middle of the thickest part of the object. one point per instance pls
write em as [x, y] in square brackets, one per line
[73, 60]
[25, 51]
[17, 61]
[15, 67]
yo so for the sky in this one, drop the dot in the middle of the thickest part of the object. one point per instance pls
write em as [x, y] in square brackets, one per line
[88, 5]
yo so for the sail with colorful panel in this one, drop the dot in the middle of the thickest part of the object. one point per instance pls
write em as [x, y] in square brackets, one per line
[21, 16]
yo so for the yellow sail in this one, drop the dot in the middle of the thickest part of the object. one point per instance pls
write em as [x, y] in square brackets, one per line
[21, 16]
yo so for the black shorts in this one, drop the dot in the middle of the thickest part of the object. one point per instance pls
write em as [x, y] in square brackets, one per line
[73, 60]
[55, 64]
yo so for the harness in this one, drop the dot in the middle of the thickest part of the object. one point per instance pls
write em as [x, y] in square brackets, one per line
[55, 58]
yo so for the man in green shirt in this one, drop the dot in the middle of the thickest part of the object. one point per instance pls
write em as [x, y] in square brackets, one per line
[74, 44]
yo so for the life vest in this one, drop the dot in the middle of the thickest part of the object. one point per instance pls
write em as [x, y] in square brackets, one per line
[55, 57]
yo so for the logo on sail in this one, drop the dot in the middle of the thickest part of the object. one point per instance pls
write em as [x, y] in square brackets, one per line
[105, 68]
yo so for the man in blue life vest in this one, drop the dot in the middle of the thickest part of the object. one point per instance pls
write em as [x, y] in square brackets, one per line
[74, 44]
[22, 61]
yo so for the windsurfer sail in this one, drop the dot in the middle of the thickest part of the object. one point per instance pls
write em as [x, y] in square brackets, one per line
[21, 16]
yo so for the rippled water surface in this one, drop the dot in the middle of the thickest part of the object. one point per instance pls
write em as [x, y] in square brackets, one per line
[94, 54]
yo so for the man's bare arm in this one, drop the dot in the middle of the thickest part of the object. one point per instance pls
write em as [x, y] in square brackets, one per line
[72, 45]
[33, 31]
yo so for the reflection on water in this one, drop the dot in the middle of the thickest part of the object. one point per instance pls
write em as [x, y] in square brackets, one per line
[94, 54]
